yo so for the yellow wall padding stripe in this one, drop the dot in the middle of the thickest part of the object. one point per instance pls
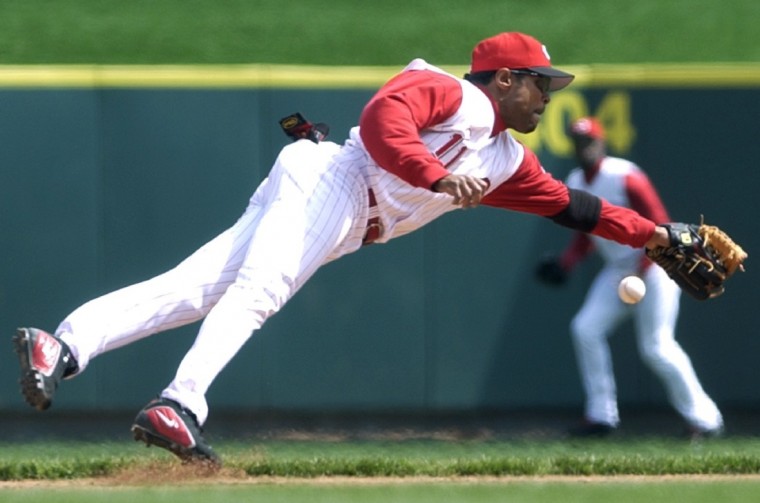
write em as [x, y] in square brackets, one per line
[353, 77]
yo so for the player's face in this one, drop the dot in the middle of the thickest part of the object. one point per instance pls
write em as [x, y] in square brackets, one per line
[588, 151]
[523, 103]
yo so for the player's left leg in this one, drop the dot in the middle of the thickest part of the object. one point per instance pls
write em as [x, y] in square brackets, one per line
[656, 317]
[306, 214]
[311, 214]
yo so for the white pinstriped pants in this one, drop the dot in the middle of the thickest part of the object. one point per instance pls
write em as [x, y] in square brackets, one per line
[305, 214]
[655, 319]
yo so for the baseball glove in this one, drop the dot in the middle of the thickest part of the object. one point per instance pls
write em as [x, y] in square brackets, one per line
[700, 258]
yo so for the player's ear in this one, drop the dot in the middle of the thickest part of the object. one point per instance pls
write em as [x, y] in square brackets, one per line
[503, 77]
[503, 81]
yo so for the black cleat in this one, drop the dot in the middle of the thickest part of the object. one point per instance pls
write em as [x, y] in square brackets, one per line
[591, 429]
[697, 434]
[164, 423]
[45, 360]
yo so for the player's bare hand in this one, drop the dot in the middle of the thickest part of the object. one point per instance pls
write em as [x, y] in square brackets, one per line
[466, 190]
[661, 237]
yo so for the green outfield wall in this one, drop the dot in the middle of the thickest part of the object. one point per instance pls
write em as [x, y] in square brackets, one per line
[109, 175]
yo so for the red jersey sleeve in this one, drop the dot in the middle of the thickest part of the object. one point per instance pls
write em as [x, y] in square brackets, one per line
[623, 225]
[391, 121]
[532, 190]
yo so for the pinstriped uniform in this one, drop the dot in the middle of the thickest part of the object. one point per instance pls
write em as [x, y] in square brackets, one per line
[314, 207]
[311, 209]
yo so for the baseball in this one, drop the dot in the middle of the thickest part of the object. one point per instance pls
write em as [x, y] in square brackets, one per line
[631, 289]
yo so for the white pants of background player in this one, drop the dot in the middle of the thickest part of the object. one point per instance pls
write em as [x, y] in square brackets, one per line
[306, 213]
[655, 319]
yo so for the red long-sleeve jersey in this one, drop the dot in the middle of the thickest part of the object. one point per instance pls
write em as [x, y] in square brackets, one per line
[396, 124]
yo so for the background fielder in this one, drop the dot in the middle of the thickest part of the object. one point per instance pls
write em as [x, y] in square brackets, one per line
[622, 182]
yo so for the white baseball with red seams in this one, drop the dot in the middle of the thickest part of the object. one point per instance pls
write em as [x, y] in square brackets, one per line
[631, 289]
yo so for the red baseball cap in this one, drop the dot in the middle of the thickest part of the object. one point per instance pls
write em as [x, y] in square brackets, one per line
[588, 126]
[517, 51]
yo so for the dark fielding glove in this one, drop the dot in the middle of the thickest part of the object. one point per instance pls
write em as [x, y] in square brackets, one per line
[550, 271]
[700, 258]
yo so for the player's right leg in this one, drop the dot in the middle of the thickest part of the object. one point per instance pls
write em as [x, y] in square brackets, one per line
[44, 361]
[656, 321]
[178, 297]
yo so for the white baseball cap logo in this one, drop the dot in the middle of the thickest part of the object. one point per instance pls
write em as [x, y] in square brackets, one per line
[546, 53]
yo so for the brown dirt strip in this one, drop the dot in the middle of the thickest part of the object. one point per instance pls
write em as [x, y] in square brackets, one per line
[226, 478]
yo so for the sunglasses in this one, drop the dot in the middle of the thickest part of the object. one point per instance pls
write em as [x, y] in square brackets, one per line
[542, 81]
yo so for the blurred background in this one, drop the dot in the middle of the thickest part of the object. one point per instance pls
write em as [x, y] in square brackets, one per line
[132, 133]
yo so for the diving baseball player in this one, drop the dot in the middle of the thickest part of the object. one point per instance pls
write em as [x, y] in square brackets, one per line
[427, 143]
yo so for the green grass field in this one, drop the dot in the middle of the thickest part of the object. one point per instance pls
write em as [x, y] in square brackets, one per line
[391, 32]
[628, 469]
[723, 491]
[60, 460]
[388, 471]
